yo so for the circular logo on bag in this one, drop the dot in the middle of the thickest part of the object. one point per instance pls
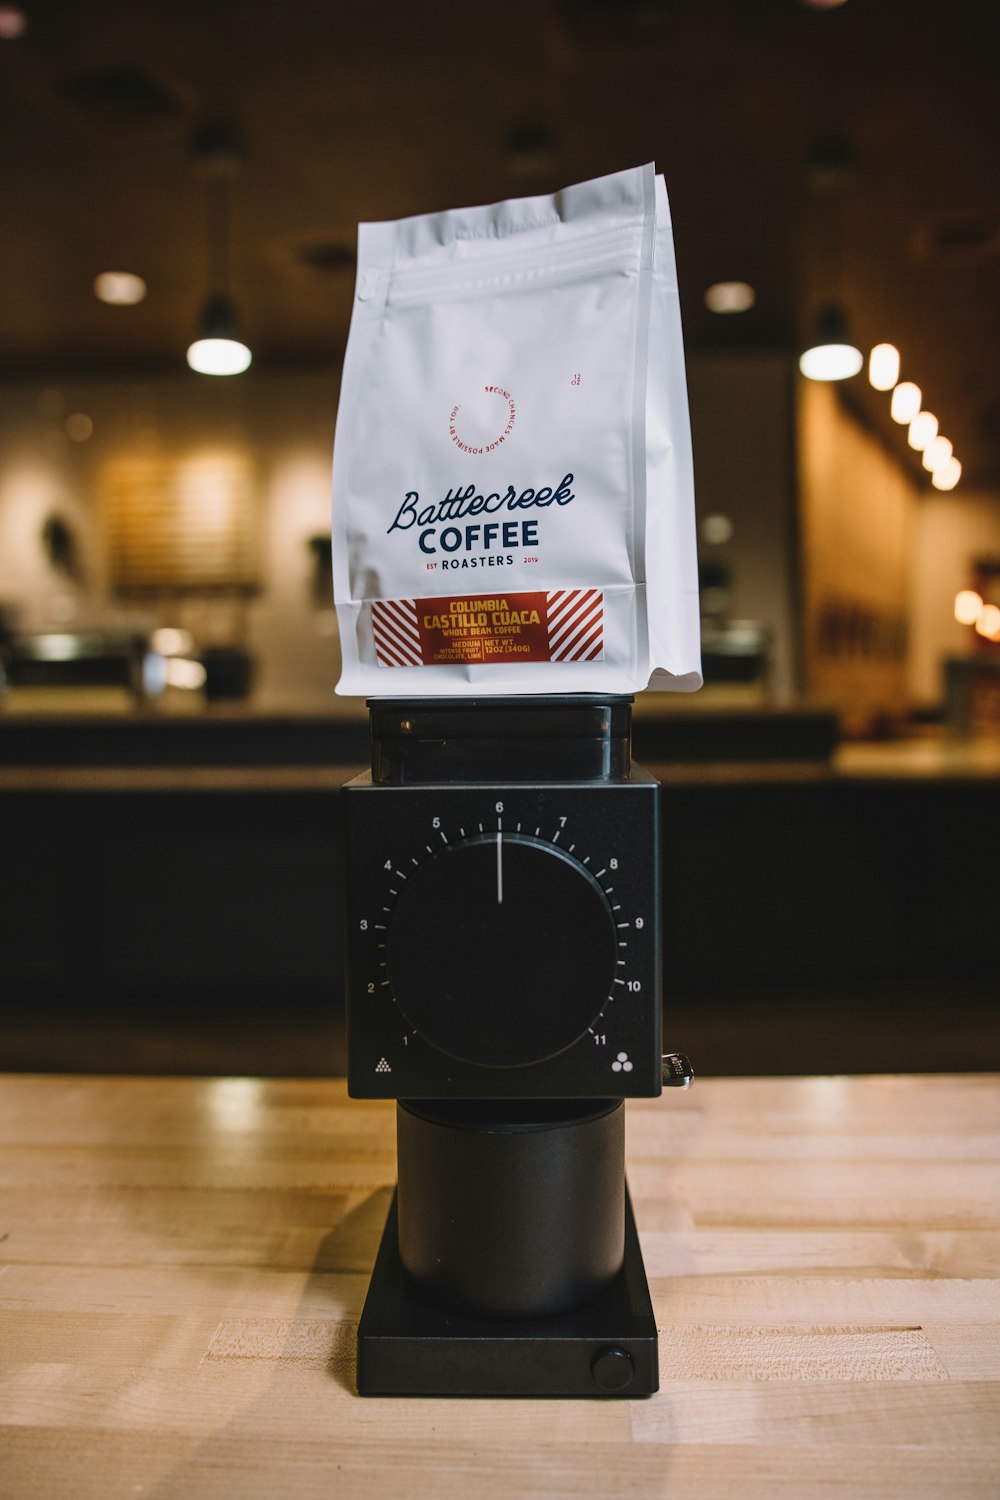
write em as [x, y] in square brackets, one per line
[479, 421]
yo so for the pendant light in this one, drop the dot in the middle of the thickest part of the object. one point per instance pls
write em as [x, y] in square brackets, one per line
[831, 355]
[218, 348]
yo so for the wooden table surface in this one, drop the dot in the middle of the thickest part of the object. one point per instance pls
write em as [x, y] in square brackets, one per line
[183, 1262]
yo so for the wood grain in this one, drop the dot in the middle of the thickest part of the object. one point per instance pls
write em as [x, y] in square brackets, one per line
[183, 1262]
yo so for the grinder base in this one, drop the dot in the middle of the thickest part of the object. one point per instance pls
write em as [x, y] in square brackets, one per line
[406, 1347]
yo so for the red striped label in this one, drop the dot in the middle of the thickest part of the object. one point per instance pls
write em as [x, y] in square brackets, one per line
[564, 625]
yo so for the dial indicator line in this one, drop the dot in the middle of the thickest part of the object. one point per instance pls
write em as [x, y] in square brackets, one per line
[441, 831]
[601, 872]
[400, 874]
[586, 859]
[556, 834]
[499, 869]
[619, 981]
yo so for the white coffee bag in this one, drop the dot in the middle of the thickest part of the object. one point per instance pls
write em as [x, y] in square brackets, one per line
[513, 507]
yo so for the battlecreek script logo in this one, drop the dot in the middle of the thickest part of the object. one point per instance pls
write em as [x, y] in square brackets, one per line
[459, 441]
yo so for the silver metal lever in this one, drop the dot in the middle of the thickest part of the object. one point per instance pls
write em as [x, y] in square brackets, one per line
[677, 1071]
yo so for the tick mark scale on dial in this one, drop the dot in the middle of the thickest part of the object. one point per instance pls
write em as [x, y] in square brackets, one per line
[601, 872]
[556, 834]
[499, 869]
[441, 832]
[619, 981]
[379, 926]
[400, 874]
[622, 924]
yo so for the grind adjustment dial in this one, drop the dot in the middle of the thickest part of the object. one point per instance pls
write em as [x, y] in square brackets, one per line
[501, 950]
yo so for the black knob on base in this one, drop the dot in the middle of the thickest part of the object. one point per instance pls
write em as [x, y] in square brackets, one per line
[612, 1368]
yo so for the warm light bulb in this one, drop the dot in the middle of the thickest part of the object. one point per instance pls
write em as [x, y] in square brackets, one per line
[968, 606]
[948, 477]
[937, 453]
[119, 288]
[883, 366]
[218, 357]
[730, 297]
[923, 430]
[13, 22]
[906, 399]
[168, 641]
[181, 673]
[831, 362]
[988, 623]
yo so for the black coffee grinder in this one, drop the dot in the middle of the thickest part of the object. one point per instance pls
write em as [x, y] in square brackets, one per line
[503, 984]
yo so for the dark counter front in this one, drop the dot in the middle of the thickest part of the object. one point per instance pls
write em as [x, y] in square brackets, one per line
[186, 916]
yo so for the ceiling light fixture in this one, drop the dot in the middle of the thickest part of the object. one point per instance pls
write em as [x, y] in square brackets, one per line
[13, 22]
[988, 623]
[937, 453]
[119, 288]
[905, 404]
[923, 430]
[947, 477]
[730, 297]
[968, 606]
[883, 367]
[831, 355]
[218, 348]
